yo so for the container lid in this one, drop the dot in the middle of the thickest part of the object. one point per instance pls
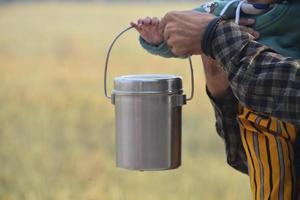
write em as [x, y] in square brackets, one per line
[147, 83]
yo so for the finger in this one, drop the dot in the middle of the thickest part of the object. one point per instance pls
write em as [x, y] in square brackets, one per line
[139, 27]
[175, 52]
[179, 53]
[173, 49]
[162, 23]
[140, 21]
[169, 43]
[246, 21]
[256, 34]
[251, 31]
[165, 20]
[133, 24]
[147, 21]
[155, 21]
[167, 32]
[161, 27]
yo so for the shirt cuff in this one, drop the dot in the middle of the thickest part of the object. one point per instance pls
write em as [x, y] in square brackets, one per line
[162, 49]
[228, 43]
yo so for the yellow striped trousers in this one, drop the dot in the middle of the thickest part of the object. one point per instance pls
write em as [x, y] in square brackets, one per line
[268, 144]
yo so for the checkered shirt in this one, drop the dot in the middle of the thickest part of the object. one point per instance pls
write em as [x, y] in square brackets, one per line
[260, 79]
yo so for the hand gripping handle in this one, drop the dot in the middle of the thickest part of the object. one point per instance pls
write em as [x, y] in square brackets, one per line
[107, 60]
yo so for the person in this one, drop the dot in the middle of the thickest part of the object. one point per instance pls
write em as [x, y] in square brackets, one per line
[269, 142]
[271, 17]
[261, 80]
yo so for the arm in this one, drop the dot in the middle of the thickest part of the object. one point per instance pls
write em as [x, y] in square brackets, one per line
[216, 78]
[163, 50]
[260, 78]
[225, 107]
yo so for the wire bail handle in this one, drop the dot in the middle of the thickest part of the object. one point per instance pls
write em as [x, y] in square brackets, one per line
[107, 60]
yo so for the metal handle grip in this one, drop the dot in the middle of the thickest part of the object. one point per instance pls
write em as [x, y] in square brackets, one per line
[107, 60]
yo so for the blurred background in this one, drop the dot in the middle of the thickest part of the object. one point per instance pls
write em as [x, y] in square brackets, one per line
[57, 139]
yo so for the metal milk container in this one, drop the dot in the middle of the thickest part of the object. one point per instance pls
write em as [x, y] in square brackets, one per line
[148, 113]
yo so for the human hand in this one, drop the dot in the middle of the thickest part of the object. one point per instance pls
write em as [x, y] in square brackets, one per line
[184, 30]
[245, 24]
[149, 30]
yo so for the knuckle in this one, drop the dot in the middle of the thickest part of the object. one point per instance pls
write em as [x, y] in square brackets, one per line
[250, 30]
[171, 13]
[169, 42]
[177, 52]
[155, 19]
[174, 51]
[168, 29]
[242, 22]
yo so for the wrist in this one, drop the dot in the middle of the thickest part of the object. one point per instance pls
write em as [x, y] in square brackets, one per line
[209, 35]
[157, 43]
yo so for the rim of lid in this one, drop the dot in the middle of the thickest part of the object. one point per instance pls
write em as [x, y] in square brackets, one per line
[147, 83]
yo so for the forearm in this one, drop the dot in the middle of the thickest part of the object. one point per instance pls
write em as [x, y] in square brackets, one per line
[260, 78]
[216, 78]
[225, 106]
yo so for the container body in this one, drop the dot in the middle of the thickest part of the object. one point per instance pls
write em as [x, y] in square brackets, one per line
[148, 129]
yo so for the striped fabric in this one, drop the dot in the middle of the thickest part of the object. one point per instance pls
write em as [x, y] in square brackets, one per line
[260, 78]
[268, 83]
[227, 127]
[268, 144]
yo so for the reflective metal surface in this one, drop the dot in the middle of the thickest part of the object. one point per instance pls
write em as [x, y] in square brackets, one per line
[148, 121]
[147, 83]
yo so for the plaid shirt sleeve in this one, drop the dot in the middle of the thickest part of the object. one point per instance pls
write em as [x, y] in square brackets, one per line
[260, 78]
[227, 127]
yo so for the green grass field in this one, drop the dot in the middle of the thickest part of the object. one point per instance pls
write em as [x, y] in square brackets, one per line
[56, 127]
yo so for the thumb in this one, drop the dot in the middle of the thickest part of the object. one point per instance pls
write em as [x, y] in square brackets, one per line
[133, 24]
[246, 21]
[162, 25]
